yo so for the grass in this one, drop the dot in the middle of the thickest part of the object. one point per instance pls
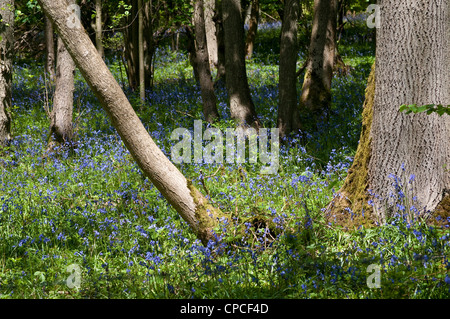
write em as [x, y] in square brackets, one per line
[92, 207]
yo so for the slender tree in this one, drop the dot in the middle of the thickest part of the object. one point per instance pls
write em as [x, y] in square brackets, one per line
[202, 62]
[218, 20]
[141, 50]
[288, 115]
[6, 56]
[210, 26]
[242, 108]
[98, 27]
[402, 159]
[316, 90]
[50, 50]
[252, 29]
[180, 193]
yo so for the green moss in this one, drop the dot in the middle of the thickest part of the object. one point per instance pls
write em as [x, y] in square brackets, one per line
[206, 215]
[353, 194]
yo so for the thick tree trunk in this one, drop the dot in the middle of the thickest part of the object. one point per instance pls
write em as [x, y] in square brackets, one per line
[210, 27]
[180, 193]
[202, 61]
[316, 91]
[406, 155]
[50, 50]
[242, 108]
[252, 29]
[288, 115]
[6, 68]
[61, 114]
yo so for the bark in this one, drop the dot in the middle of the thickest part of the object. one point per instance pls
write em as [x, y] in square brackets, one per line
[149, 44]
[288, 115]
[218, 19]
[242, 108]
[50, 50]
[412, 55]
[204, 73]
[132, 45]
[6, 68]
[210, 27]
[61, 114]
[316, 91]
[252, 29]
[141, 51]
[182, 195]
[98, 28]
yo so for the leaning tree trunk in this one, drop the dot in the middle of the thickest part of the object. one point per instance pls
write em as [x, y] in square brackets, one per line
[288, 115]
[242, 108]
[6, 56]
[202, 62]
[316, 91]
[404, 158]
[194, 208]
[61, 114]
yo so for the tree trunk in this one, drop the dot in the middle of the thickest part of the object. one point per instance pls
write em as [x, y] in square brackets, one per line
[131, 44]
[288, 115]
[6, 68]
[180, 193]
[218, 19]
[241, 105]
[50, 50]
[141, 51]
[210, 27]
[405, 155]
[252, 29]
[204, 73]
[61, 114]
[99, 28]
[316, 91]
[149, 43]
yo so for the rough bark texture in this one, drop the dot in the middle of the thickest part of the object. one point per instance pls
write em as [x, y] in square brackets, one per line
[316, 91]
[187, 201]
[210, 27]
[412, 58]
[252, 29]
[61, 115]
[288, 115]
[204, 73]
[6, 56]
[242, 108]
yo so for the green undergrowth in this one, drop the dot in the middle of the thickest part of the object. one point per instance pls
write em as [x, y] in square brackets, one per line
[92, 210]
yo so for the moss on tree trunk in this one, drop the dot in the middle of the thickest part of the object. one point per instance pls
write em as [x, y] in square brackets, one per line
[350, 206]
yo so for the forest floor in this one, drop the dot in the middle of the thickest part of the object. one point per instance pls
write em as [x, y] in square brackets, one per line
[85, 223]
